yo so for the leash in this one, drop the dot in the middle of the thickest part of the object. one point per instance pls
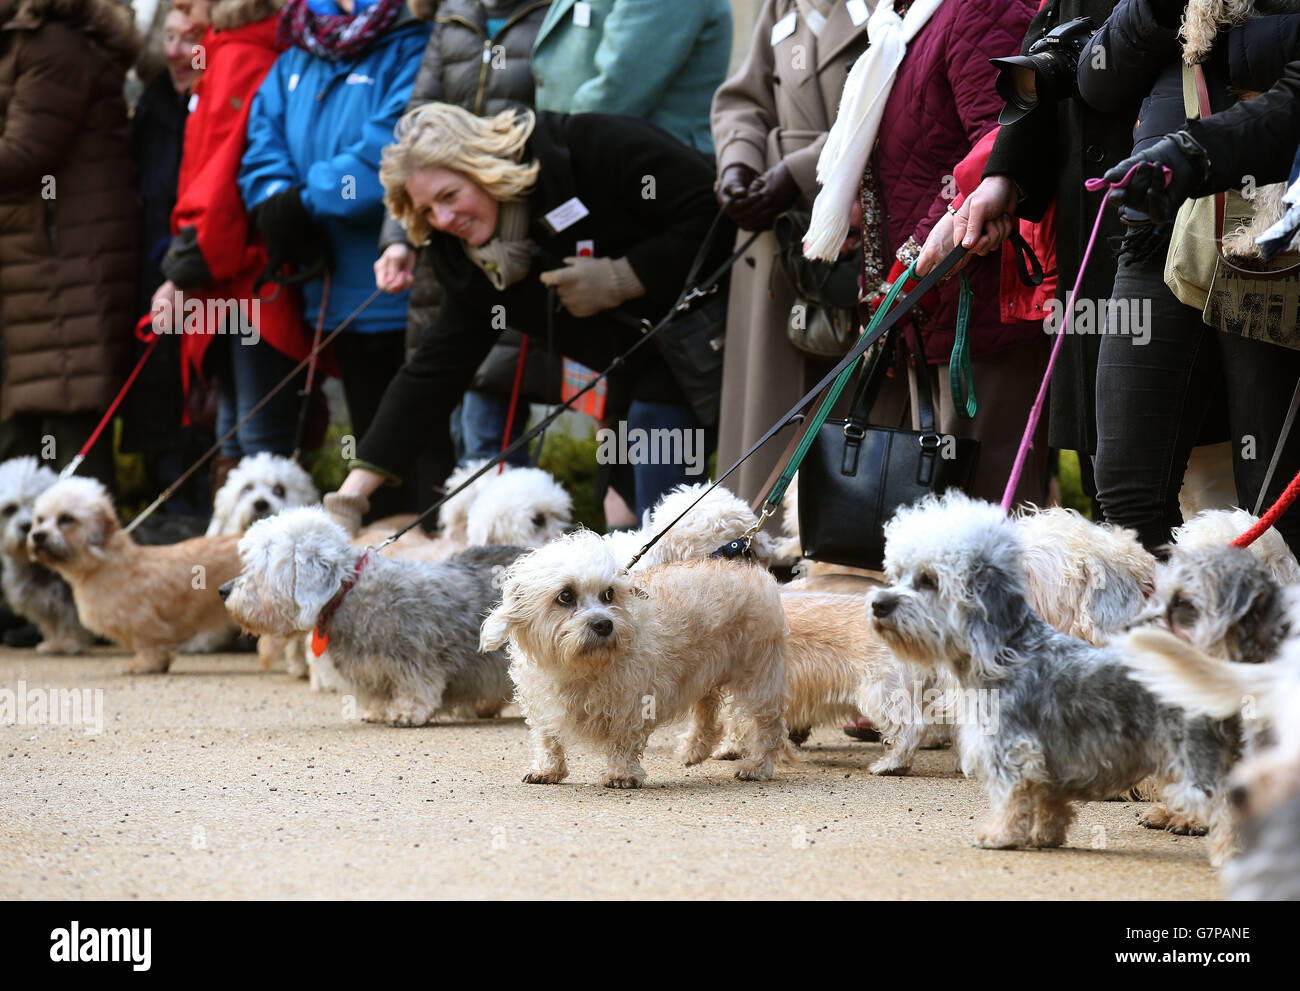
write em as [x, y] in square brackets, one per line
[514, 399]
[305, 395]
[1288, 495]
[1036, 411]
[1277, 449]
[328, 340]
[885, 318]
[145, 336]
[689, 294]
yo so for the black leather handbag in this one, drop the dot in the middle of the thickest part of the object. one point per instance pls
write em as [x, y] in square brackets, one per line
[692, 346]
[856, 475]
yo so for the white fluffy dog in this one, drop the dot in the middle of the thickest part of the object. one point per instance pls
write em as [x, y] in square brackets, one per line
[33, 591]
[261, 485]
[1217, 527]
[720, 518]
[404, 634]
[603, 658]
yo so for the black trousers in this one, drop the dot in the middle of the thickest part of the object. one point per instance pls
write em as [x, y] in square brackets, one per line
[1154, 397]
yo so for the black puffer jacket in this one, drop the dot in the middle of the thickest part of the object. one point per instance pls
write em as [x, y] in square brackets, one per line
[484, 72]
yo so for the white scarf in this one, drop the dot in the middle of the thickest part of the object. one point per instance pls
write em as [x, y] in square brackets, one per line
[848, 147]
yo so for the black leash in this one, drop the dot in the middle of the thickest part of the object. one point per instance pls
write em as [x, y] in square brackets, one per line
[689, 294]
[897, 313]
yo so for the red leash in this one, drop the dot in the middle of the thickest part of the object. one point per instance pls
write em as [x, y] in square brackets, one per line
[1274, 513]
[514, 400]
[145, 335]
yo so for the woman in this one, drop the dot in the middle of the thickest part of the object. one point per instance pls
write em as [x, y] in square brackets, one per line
[69, 224]
[1153, 390]
[504, 205]
[309, 179]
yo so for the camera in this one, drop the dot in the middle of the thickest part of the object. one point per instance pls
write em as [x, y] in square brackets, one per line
[1049, 72]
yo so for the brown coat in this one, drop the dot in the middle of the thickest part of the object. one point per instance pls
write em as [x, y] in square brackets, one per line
[779, 105]
[68, 210]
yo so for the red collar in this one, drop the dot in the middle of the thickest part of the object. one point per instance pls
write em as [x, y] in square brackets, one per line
[320, 637]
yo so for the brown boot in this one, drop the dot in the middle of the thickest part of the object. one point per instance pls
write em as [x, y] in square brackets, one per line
[221, 466]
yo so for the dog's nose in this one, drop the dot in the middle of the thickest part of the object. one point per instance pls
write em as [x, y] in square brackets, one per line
[224, 590]
[261, 505]
[39, 538]
[602, 627]
[24, 528]
[1237, 795]
[883, 605]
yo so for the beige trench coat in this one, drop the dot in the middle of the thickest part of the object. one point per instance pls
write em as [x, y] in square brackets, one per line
[779, 105]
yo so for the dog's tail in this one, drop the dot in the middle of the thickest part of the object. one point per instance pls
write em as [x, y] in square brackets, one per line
[1181, 675]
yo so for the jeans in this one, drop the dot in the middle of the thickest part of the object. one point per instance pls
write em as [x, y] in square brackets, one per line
[686, 453]
[479, 424]
[252, 370]
[1152, 400]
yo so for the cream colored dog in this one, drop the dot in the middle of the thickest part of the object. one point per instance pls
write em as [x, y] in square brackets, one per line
[149, 599]
[603, 658]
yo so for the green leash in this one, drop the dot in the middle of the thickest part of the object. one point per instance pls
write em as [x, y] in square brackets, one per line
[961, 378]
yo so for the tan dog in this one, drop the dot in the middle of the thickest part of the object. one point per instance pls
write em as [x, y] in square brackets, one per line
[604, 658]
[149, 599]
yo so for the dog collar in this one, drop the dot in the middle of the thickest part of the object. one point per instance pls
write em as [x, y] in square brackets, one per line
[320, 636]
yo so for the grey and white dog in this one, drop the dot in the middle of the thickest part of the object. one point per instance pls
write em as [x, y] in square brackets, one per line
[1070, 723]
[33, 591]
[403, 634]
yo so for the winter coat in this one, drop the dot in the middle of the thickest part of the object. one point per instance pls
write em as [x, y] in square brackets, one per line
[320, 126]
[216, 253]
[775, 108]
[69, 227]
[942, 103]
[1258, 137]
[484, 73]
[656, 59]
[602, 160]
[1049, 153]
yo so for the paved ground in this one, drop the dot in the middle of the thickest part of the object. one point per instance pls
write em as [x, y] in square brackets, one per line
[221, 781]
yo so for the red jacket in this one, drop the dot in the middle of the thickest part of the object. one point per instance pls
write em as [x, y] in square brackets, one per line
[208, 198]
[942, 102]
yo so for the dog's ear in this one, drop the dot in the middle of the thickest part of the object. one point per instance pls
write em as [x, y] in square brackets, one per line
[995, 609]
[495, 630]
[101, 523]
[1259, 622]
[317, 578]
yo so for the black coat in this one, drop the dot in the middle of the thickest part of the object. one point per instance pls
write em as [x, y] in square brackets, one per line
[1258, 138]
[650, 200]
[1050, 153]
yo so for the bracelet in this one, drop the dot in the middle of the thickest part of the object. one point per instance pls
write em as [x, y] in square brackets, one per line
[909, 252]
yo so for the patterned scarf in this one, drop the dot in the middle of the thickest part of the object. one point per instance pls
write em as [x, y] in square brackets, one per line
[334, 37]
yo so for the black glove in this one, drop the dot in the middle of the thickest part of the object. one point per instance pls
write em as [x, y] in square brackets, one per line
[769, 197]
[733, 190]
[292, 238]
[1146, 191]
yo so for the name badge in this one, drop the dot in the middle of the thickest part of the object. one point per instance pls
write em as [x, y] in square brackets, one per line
[783, 28]
[565, 215]
[194, 102]
[582, 15]
[857, 11]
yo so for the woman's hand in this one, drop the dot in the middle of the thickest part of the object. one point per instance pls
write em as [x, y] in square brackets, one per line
[588, 285]
[936, 247]
[987, 217]
[163, 307]
[395, 268]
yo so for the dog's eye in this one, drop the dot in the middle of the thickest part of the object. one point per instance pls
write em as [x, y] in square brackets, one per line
[539, 521]
[926, 582]
[10, 509]
[278, 491]
[66, 520]
[566, 597]
[607, 596]
[246, 488]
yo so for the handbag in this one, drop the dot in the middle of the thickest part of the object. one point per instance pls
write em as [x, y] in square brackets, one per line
[855, 474]
[691, 344]
[824, 319]
[1234, 296]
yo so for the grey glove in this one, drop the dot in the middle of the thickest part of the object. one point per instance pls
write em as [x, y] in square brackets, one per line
[347, 510]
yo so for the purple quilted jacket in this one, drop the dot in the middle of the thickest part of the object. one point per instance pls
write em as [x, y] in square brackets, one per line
[942, 103]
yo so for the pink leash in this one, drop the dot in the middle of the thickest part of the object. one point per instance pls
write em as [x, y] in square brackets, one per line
[1036, 412]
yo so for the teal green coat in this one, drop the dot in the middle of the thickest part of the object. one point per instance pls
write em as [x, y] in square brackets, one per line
[656, 59]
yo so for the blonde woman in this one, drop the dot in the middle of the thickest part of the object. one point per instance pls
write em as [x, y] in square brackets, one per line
[607, 210]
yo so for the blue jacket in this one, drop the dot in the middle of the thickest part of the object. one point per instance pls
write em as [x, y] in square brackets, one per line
[322, 125]
[657, 59]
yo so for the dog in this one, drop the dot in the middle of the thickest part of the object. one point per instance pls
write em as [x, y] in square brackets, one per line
[149, 599]
[720, 518]
[1071, 722]
[33, 591]
[1216, 527]
[403, 634]
[261, 485]
[602, 658]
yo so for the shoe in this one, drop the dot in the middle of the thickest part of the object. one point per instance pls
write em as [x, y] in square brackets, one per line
[862, 731]
[22, 636]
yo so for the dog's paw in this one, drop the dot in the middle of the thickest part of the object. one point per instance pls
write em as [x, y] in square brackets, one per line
[800, 736]
[59, 648]
[1185, 825]
[488, 708]
[993, 840]
[148, 665]
[889, 765]
[622, 781]
[728, 751]
[1156, 817]
[543, 777]
[755, 771]
[696, 753]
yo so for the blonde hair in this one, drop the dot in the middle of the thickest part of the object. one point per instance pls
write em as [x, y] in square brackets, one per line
[1204, 19]
[487, 150]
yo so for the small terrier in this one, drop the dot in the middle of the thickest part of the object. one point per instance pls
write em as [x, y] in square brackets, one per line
[601, 657]
[261, 485]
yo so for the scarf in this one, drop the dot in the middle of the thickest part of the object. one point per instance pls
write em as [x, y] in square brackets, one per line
[848, 147]
[508, 256]
[334, 37]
